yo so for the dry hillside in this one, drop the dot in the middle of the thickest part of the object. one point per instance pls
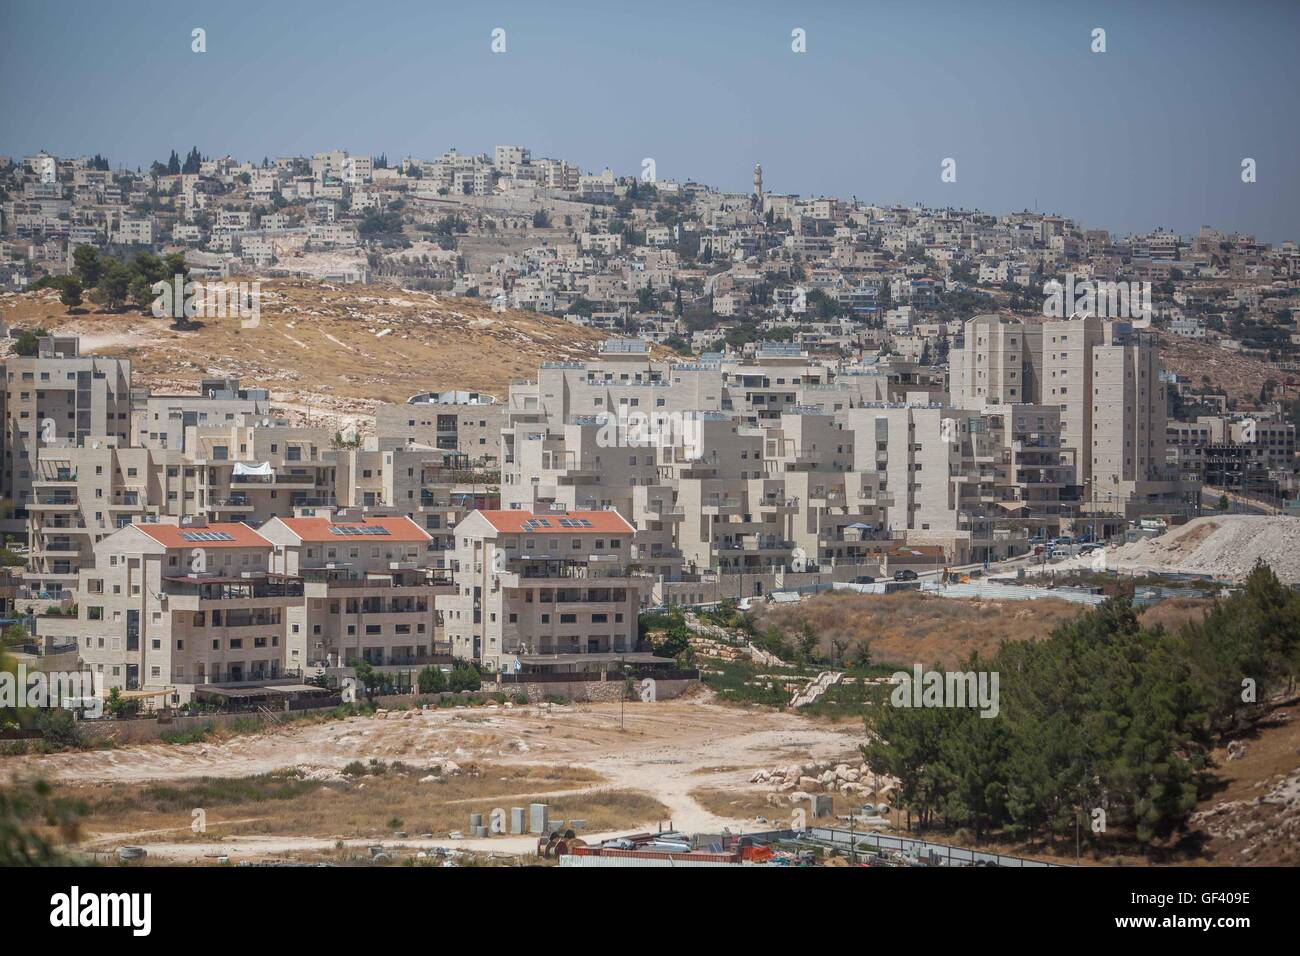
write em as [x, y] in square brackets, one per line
[1240, 376]
[908, 627]
[324, 350]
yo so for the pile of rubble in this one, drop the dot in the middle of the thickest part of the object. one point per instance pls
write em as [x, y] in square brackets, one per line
[834, 778]
[383, 714]
[1263, 831]
[444, 769]
[1225, 546]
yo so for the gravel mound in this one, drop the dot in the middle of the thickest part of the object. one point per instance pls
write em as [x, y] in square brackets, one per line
[1225, 546]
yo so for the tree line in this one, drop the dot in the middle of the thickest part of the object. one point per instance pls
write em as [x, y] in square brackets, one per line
[112, 282]
[1105, 719]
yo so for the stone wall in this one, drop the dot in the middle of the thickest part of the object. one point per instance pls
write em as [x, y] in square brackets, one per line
[146, 730]
[587, 690]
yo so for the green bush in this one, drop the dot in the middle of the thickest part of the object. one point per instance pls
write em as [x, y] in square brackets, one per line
[191, 736]
[465, 677]
[431, 680]
[59, 729]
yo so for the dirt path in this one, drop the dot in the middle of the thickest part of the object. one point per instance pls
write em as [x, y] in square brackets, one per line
[664, 749]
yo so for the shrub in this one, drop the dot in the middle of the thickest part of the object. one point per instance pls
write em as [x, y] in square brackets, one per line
[465, 677]
[431, 680]
[59, 729]
[191, 736]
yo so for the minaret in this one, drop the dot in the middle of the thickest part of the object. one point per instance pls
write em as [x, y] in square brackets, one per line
[757, 199]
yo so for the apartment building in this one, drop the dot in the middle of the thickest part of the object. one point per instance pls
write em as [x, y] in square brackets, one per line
[369, 588]
[170, 608]
[57, 396]
[84, 493]
[159, 421]
[549, 592]
[462, 421]
[507, 159]
[1254, 453]
[251, 471]
[435, 489]
[1106, 381]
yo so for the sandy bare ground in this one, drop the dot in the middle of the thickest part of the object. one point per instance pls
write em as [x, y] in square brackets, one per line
[665, 749]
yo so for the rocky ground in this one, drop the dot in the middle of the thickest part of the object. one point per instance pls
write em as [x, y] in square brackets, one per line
[327, 352]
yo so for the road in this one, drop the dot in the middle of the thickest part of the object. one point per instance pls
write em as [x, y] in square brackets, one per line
[1240, 503]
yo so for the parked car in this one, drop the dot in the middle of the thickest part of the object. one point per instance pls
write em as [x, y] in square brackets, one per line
[864, 579]
[1090, 547]
[906, 574]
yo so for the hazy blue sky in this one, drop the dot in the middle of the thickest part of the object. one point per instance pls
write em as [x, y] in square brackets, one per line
[1150, 133]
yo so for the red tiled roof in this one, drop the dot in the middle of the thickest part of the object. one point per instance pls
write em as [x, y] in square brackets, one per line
[174, 536]
[606, 522]
[399, 528]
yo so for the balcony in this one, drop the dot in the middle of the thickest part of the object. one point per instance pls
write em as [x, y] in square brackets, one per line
[756, 545]
[188, 592]
[277, 480]
[656, 511]
[720, 506]
[325, 583]
[51, 547]
[242, 619]
[236, 503]
[55, 477]
[53, 503]
[387, 607]
[411, 660]
[540, 569]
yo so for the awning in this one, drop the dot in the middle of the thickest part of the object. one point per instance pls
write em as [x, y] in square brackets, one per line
[139, 694]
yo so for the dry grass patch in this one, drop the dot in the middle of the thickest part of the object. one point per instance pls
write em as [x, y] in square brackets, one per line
[906, 627]
[608, 809]
[363, 805]
[1176, 612]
